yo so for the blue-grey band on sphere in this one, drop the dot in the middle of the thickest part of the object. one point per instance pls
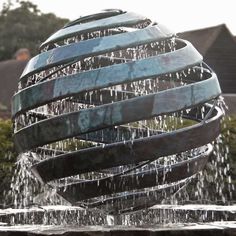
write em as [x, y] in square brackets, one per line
[127, 19]
[80, 191]
[109, 81]
[65, 86]
[92, 47]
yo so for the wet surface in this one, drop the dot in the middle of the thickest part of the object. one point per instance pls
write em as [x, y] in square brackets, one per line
[215, 228]
[75, 217]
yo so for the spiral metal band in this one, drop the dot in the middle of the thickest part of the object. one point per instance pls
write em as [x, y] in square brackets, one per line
[108, 53]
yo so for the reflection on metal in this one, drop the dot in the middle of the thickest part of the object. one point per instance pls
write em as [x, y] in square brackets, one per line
[120, 86]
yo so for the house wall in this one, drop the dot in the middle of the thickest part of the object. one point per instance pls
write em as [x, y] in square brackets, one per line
[10, 72]
[230, 101]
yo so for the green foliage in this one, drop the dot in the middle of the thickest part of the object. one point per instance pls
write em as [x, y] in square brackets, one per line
[229, 131]
[25, 27]
[7, 156]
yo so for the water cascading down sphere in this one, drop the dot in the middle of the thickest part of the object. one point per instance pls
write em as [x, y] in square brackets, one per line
[117, 111]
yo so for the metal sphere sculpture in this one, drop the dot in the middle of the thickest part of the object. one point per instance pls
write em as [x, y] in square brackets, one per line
[101, 107]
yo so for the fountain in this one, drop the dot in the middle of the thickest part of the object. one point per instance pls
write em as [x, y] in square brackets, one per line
[115, 115]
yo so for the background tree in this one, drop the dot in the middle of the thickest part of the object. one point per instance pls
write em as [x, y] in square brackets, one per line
[7, 157]
[22, 25]
[25, 27]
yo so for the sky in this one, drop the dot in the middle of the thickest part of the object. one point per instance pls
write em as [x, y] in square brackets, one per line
[178, 15]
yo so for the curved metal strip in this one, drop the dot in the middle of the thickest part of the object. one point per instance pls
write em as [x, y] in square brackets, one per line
[92, 47]
[137, 200]
[54, 89]
[163, 175]
[114, 134]
[126, 19]
[118, 113]
[117, 134]
[130, 152]
[96, 16]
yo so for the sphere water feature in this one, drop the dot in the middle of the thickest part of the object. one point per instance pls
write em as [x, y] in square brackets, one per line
[117, 111]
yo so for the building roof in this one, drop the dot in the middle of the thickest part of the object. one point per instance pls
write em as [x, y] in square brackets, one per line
[202, 39]
[218, 46]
